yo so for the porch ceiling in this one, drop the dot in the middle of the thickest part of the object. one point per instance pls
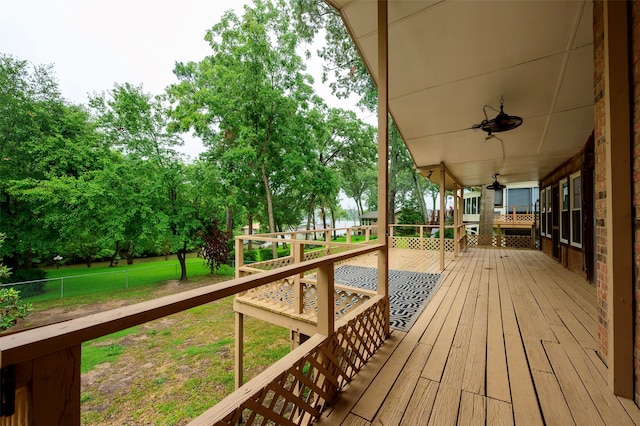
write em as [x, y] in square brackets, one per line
[447, 59]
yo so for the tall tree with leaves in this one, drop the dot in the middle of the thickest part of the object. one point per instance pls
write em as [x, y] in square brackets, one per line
[46, 146]
[246, 99]
[161, 202]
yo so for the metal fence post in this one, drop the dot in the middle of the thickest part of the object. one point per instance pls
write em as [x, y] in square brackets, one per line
[62, 288]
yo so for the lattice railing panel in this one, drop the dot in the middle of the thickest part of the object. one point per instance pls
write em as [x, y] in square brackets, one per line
[399, 242]
[432, 244]
[346, 299]
[299, 394]
[517, 241]
[510, 218]
[268, 265]
[472, 240]
[278, 292]
[309, 298]
[449, 244]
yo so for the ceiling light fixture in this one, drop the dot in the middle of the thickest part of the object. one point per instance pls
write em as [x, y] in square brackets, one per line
[501, 123]
[495, 186]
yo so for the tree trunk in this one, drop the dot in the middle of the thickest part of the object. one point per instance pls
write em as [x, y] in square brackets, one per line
[486, 212]
[420, 196]
[393, 166]
[250, 231]
[115, 254]
[229, 222]
[272, 222]
[333, 222]
[182, 258]
[310, 215]
[27, 259]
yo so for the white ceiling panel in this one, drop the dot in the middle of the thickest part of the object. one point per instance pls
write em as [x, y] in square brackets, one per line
[450, 58]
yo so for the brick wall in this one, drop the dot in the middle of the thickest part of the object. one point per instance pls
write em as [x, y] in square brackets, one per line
[635, 88]
[571, 257]
[600, 177]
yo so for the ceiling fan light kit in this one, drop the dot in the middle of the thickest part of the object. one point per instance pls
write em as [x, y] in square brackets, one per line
[501, 123]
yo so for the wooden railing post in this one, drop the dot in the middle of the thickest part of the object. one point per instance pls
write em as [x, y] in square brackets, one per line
[298, 294]
[239, 255]
[367, 233]
[326, 303]
[239, 348]
[348, 235]
[421, 237]
[55, 388]
[327, 240]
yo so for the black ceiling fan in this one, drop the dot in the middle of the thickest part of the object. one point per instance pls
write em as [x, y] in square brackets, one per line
[495, 186]
[501, 123]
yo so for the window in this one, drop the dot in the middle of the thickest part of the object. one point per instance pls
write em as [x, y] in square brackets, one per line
[564, 211]
[497, 198]
[520, 198]
[543, 212]
[549, 218]
[576, 209]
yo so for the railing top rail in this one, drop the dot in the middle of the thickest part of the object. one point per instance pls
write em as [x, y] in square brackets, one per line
[301, 231]
[34, 343]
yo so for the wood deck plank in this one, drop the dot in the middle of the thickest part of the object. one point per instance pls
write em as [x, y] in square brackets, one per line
[472, 409]
[523, 394]
[396, 402]
[525, 312]
[609, 407]
[552, 403]
[497, 377]
[434, 368]
[421, 404]
[499, 413]
[578, 400]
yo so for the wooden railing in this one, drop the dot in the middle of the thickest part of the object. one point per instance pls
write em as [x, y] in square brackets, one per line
[420, 238]
[41, 366]
[526, 219]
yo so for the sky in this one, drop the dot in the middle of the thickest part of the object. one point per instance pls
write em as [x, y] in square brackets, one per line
[96, 43]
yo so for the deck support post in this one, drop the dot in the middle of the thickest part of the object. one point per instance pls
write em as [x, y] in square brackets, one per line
[326, 304]
[239, 350]
[456, 231]
[298, 295]
[619, 193]
[383, 156]
[239, 255]
[443, 177]
[55, 388]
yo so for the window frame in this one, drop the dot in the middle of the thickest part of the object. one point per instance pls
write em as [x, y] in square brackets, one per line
[543, 211]
[565, 222]
[573, 208]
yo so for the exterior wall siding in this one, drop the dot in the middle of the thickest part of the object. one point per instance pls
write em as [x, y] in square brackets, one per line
[571, 257]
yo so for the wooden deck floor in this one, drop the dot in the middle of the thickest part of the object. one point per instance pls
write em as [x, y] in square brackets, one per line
[509, 337]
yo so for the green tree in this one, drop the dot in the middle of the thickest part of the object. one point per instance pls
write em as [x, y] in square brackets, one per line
[46, 146]
[246, 101]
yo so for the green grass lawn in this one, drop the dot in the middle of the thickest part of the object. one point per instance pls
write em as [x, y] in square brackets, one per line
[73, 281]
[168, 371]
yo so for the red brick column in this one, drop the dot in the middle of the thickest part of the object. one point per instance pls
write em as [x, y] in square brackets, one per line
[600, 177]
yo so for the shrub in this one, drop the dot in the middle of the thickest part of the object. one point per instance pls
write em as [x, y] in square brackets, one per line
[448, 233]
[30, 289]
[11, 308]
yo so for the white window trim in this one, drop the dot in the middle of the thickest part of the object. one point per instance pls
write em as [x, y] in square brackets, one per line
[562, 224]
[543, 211]
[572, 208]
